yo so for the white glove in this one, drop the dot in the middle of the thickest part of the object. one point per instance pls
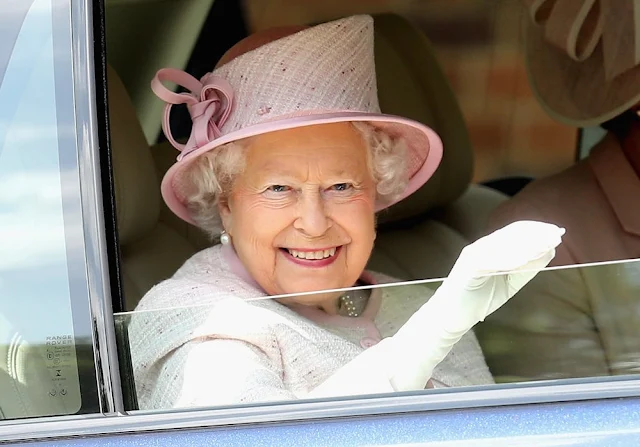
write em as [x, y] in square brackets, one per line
[487, 273]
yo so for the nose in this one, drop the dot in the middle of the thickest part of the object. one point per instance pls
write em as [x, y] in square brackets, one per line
[312, 217]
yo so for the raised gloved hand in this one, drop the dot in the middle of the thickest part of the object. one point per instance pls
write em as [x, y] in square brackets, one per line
[487, 273]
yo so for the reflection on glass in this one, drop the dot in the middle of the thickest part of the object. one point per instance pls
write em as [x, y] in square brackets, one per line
[232, 350]
[566, 323]
[239, 349]
[38, 342]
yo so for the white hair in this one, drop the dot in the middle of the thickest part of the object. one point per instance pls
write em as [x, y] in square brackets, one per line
[213, 174]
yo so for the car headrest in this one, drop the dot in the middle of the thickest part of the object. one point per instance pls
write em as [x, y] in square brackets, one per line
[137, 188]
[412, 84]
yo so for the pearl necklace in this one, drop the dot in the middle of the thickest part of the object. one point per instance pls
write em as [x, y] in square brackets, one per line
[348, 303]
[353, 300]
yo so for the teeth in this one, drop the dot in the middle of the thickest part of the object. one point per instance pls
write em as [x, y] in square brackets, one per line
[320, 254]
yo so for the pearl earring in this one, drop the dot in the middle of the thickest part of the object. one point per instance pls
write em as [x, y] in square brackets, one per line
[225, 239]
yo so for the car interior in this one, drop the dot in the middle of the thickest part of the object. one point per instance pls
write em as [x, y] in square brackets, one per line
[417, 239]
[441, 218]
[446, 214]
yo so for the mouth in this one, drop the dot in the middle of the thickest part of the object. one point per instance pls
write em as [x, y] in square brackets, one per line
[310, 257]
[312, 254]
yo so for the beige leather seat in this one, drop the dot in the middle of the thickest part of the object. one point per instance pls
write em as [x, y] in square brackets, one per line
[145, 35]
[422, 236]
[150, 250]
[419, 238]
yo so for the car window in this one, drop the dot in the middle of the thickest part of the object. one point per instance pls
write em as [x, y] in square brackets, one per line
[576, 320]
[46, 344]
[232, 348]
[230, 351]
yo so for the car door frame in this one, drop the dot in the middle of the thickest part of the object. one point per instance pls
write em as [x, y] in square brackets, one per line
[606, 409]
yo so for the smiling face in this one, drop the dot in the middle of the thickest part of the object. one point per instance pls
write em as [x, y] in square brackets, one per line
[301, 214]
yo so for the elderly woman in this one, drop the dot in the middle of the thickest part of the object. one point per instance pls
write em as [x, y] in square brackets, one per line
[288, 161]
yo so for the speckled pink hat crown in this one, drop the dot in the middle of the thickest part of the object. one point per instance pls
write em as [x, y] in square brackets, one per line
[283, 79]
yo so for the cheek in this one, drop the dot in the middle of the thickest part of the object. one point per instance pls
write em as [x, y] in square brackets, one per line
[254, 221]
[357, 217]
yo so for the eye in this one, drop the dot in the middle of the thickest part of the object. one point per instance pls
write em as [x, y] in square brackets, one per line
[342, 186]
[278, 188]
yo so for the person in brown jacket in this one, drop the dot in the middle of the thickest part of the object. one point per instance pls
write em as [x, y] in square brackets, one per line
[583, 63]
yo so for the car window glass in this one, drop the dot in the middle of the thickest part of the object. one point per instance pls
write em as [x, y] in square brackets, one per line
[577, 319]
[46, 355]
[257, 350]
[229, 351]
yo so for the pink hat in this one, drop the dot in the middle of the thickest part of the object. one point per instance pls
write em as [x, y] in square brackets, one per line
[283, 79]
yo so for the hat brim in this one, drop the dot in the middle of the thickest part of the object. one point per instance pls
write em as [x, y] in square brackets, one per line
[423, 144]
[576, 93]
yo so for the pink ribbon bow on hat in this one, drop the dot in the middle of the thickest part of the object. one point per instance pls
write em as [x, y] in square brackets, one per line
[209, 102]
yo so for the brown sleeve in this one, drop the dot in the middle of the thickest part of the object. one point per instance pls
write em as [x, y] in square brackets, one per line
[546, 331]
